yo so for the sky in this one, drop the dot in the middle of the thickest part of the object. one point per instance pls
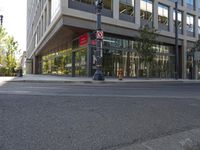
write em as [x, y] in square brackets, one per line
[14, 20]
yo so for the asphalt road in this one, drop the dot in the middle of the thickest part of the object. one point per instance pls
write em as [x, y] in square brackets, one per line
[63, 116]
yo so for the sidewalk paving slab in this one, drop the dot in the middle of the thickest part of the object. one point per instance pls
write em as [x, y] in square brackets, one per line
[187, 140]
[65, 79]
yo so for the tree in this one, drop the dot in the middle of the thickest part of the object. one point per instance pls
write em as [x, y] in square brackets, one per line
[196, 45]
[11, 49]
[3, 35]
[144, 47]
[193, 67]
[8, 52]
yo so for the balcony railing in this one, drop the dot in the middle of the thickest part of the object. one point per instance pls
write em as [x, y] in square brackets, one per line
[162, 26]
[126, 17]
[180, 31]
[144, 22]
[190, 33]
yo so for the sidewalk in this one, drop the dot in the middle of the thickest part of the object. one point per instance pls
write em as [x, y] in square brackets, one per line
[64, 79]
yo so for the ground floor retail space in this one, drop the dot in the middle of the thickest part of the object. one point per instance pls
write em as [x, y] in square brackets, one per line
[118, 53]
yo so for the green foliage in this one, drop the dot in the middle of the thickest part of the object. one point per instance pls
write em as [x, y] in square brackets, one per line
[3, 35]
[197, 46]
[144, 44]
[8, 50]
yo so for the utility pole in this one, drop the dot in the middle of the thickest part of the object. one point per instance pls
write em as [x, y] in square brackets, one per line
[1, 19]
[99, 42]
[176, 41]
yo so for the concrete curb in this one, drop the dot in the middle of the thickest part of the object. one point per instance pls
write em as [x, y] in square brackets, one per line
[103, 82]
[56, 79]
[188, 140]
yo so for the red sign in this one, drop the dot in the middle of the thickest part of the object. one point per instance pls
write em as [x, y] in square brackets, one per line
[83, 39]
[100, 35]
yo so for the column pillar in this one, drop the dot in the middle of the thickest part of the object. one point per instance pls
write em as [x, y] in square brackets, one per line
[48, 12]
[89, 60]
[115, 9]
[171, 20]
[155, 14]
[184, 23]
[184, 60]
[137, 12]
[196, 3]
[196, 26]
[35, 65]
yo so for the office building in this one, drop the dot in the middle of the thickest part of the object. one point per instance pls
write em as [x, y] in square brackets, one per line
[61, 37]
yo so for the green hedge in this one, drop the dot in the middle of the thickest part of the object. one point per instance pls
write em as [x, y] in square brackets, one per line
[6, 72]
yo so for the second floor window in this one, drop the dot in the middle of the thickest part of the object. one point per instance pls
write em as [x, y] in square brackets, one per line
[190, 23]
[163, 14]
[146, 9]
[126, 7]
[190, 2]
[107, 4]
[180, 24]
[199, 26]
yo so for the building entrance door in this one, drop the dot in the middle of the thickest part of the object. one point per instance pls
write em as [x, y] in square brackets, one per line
[112, 61]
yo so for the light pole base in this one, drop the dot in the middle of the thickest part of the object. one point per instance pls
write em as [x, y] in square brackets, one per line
[98, 75]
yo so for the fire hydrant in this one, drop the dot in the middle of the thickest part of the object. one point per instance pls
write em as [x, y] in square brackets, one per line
[120, 74]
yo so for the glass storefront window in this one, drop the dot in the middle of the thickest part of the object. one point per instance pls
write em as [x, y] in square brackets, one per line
[57, 63]
[124, 57]
[81, 62]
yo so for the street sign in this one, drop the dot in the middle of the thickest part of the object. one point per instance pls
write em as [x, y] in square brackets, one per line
[100, 35]
[83, 39]
[196, 55]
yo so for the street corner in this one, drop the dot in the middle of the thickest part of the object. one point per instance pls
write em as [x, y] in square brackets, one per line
[188, 140]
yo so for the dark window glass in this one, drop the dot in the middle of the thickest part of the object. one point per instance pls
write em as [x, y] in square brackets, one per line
[146, 9]
[180, 22]
[190, 2]
[198, 25]
[163, 14]
[190, 23]
[126, 7]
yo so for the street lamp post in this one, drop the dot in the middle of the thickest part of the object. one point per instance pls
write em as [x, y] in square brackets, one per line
[99, 42]
[176, 41]
[1, 19]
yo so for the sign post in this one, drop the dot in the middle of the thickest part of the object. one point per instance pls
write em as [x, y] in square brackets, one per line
[99, 43]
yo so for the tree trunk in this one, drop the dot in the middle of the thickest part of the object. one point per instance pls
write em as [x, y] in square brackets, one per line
[148, 70]
[138, 68]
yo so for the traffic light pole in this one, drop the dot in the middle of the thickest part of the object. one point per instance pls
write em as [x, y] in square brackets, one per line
[1, 19]
[176, 41]
[99, 43]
